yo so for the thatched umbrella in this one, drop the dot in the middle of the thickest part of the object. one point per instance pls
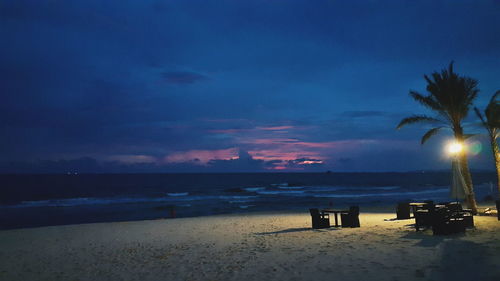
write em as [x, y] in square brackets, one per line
[458, 185]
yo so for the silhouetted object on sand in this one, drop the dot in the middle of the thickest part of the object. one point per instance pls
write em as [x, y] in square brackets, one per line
[447, 222]
[319, 220]
[498, 208]
[456, 207]
[424, 215]
[444, 218]
[403, 211]
[351, 217]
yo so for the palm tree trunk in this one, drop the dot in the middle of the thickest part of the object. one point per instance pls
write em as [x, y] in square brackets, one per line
[496, 157]
[470, 198]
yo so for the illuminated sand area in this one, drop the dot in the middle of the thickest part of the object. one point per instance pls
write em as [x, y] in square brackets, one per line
[261, 246]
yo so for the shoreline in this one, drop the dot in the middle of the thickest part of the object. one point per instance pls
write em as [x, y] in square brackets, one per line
[374, 208]
[251, 246]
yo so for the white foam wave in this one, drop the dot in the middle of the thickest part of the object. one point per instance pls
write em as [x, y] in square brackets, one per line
[290, 187]
[79, 202]
[352, 188]
[280, 192]
[104, 201]
[238, 201]
[253, 189]
[237, 197]
[245, 206]
[173, 194]
[382, 194]
[385, 188]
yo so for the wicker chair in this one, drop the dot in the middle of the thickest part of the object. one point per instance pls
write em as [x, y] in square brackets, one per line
[456, 209]
[350, 218]
[319, 220]
[403, 211]
[447, 222]
[424, 216]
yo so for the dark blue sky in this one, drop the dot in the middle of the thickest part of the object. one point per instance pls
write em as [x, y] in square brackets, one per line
[233, 85]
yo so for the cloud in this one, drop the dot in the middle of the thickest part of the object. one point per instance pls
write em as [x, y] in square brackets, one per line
[275, 128]
[183, 77]
[201, 156]
[83, 80]
[133, 158]
[303, 163]
[244, 163]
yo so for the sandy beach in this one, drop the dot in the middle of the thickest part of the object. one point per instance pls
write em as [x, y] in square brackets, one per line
[260, 246]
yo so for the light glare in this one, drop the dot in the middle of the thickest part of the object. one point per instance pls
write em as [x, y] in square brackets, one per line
[455, 147]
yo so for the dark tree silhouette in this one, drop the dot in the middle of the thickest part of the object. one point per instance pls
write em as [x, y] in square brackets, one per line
[450, 96]
[491, 122]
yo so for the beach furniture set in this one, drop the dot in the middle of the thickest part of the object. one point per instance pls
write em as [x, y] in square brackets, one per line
[321, 219]
[443, 218]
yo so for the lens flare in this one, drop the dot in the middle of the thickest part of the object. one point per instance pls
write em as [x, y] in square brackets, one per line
[454, 148]
[476, 147]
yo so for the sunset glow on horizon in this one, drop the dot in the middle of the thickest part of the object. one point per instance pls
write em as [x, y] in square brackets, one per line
[286, 84]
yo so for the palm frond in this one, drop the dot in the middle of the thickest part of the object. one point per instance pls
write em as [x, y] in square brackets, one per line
[481, 117]
[450, 67]
[429, 134]
[492, 111]
[468, 136]
[426, 101]
[494, 97]
[454, 93]
[418, 119]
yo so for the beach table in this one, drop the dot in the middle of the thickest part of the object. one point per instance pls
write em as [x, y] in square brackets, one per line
[336, 213]
[415, 205]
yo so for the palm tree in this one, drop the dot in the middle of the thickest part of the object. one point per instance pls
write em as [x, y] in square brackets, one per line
[491, 122]
[450, 96]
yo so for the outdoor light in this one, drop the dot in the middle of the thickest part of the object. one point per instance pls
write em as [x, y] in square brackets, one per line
[455, 147]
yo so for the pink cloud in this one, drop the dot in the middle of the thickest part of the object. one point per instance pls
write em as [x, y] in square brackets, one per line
[283, 154]
[277, 168]
[288, 149]
[309, 162]
[283, 167]
[276, 128]
[201, 156]
[295, 142]
[268, 141]
[287, 153]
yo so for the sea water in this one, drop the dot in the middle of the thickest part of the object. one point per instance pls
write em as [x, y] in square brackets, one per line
[41, 200]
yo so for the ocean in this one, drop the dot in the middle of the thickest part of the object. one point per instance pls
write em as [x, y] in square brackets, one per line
[43, 200]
